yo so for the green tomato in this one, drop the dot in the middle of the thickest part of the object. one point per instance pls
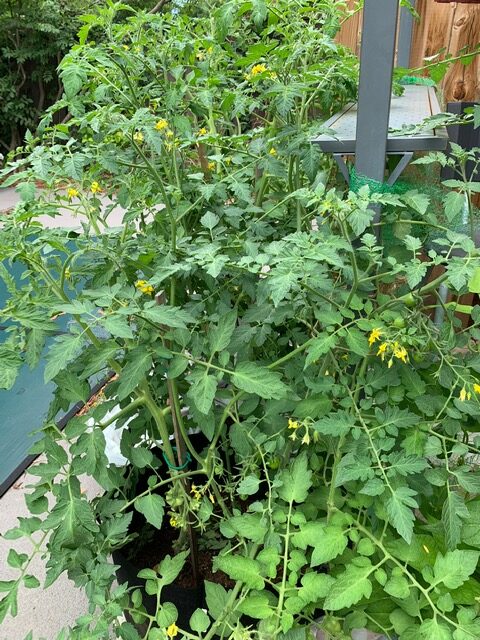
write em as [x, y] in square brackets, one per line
[399, 322]
[332, 625]
[274, 463]
[410, 300]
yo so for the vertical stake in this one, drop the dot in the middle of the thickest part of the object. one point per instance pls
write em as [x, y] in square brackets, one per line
[375, 90]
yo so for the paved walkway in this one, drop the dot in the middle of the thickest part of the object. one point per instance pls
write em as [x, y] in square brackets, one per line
[45, 612]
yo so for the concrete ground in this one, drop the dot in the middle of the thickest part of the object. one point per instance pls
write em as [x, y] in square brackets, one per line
[45, 612]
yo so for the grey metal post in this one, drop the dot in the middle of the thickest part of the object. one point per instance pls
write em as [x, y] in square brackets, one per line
[405, 31]
[375, 90]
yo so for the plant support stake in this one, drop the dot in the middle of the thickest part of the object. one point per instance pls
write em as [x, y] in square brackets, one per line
[375, 90]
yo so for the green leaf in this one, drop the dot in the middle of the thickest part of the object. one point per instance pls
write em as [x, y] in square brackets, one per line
[167, 614]
[319, 347]
[336, 424]
[349, 588]
[199, 621]
[202, 392]
[221, 335]
[34, 347]
[357, 342]
[397, 587]
[240, 568]
[170, 567]
[73, 77]
[152, 507]
[468, 479]
[139, 363]
[474, 284]
[296, 481]
[434, 630]
[10, 363]
[61, 353]
[217, 599]
[140, 457]
[454, 203]
[454, 568]
[172, 317]
[330, 545]
[315, 586]
[257, 606]
[118, 327]
[419, 202]
[248, 486]
[453, 512]
[400, 507]
[16, 560]
[260, 381]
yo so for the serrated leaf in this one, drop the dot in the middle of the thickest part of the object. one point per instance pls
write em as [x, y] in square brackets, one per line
[217, 599]
[336, 424]
[319, 347]
[172, 317]
[400, 507]
[138, 365]
[357, 342]
[221, 335]
[61, 353]
[118, 327]
[240, 568]
[152, 507]
[454, 568]
[454, 203]
[202, 392]
[257, 606]
[296, 481]
[314, 587]
[260, 381]
[349, 588]
[453, 512]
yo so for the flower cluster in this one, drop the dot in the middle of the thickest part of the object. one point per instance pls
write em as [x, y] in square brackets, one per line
[144, 287]
[294, 426]
[467, 395]
[72, 193]
[393, 349]
[259, 69]
[95, 187]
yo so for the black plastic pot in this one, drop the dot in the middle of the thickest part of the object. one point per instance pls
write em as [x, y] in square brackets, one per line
[186, 600]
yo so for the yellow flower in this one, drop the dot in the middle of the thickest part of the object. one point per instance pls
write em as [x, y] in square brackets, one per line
[390, 363]
[374, 336]
[211, 498]
[400, 352]
[210, 50]
[72, 193]
[95, 187]
[273, 75]
[273, 151]
[144, 287]
[211, 166]
[306, 438]
[172, 630]
[202, 131]
[200, 55]
[382, 350]
[138, 136]
[463, 394]
[196, 493]
[161, 125]
[293, 424]
[476, 388]
[173, 522]
[169, 133]
[126, 47]
[257, 69]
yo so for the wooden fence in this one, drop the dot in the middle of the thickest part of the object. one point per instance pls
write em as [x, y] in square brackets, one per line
[442, 27]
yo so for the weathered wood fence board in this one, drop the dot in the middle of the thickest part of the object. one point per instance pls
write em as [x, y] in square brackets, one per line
[448, 27]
